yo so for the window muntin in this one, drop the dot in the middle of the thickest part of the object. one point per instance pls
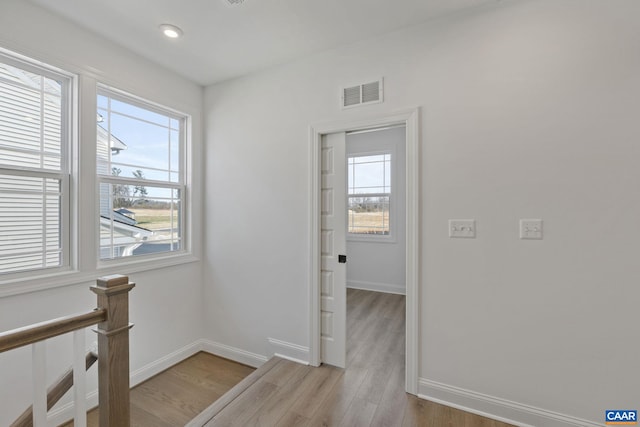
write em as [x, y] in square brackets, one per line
[141, 176]
[369, 194]
[34, 168]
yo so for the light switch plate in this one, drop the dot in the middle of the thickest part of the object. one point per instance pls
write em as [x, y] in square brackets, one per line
[464, 228]
[531, 229]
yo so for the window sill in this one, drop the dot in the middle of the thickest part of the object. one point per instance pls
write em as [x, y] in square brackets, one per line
[371, 238]
[48, 281]
[143, 263]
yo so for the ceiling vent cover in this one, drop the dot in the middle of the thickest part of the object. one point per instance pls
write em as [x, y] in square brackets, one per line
[366, 93]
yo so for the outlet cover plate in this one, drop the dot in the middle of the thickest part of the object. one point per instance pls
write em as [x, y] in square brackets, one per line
[531, 229]
[462, 228]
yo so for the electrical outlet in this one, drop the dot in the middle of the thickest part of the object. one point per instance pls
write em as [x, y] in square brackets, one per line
[531, 229]
[465, 228]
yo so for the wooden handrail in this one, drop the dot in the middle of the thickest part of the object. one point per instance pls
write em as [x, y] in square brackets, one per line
[55, 392]
[112, 320]
[41, 331]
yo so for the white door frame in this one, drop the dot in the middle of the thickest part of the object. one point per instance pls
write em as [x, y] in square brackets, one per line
[410, 118]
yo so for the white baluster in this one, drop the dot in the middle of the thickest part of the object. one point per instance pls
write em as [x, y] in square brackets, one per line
[39, 361]
[79, 379]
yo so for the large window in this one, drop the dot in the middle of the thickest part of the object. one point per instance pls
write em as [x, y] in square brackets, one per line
[140, 151]
[34, 166]
[369, 194]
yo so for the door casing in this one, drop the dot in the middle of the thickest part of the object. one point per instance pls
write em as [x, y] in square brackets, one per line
[411, 120]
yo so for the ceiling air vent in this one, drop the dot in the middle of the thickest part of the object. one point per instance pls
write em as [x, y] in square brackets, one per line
[367, 93]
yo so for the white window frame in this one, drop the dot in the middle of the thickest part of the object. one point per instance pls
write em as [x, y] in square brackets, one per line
[376, 238]
[68, 167]
[181, 184]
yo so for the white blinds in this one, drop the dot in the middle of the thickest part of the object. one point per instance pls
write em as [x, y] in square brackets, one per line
[33, 172]
[29, 223]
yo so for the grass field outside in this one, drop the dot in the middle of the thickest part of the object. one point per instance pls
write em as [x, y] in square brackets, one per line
[155, 219]
[369, 222]
[359, 222]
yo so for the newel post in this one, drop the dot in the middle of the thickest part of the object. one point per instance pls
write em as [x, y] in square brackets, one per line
[113, 350]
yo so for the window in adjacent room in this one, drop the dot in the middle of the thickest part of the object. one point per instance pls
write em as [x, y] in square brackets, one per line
[35, 141]
[369, 194]
[141, 176]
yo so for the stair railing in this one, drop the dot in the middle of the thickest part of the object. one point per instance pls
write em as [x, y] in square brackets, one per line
[112, 318]
[55, 393]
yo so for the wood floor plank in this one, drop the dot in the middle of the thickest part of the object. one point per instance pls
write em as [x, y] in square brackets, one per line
[359, 414]
[373, 385]
[140, 417]
[217, 406]
[176, 395]
[176, 407]
[448, 416]
[284, 371]
[243, 407]
[315, 389]
[390, 410]
[472, 420]
[279, 403]
[380, 365]
[292, 419]
[334, 407]
[417, 413]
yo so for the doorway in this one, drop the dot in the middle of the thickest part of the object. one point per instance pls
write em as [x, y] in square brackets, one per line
[376, 217]
[375, 243]
[410, 120]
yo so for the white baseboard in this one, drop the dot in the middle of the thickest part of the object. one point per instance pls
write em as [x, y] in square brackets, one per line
[154, 368]
[377, 287]
[286, 350]
[232, 353]
[481, 404]
[497, 408]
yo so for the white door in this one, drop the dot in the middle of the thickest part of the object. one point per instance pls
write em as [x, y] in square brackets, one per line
[333, 274]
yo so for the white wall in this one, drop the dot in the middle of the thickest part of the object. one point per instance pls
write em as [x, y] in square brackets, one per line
[529, 109]
[166, 303]
[377, 263]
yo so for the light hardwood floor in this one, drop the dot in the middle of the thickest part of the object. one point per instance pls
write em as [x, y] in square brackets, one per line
[370, 392]
[175, 396]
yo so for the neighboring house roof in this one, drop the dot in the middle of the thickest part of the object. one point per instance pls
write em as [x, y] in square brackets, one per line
[125, 211]
[152, 248]
[115, 144]
[122, 218]
[127, 237]
[125, 228]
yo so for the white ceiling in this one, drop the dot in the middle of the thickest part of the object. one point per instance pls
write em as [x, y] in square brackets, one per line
[222, 41]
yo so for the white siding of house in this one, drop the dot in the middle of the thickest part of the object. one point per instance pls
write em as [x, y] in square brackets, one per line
[102, 151]
[31, 136]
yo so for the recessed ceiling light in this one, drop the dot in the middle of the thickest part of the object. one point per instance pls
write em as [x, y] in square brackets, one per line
[171, 31]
